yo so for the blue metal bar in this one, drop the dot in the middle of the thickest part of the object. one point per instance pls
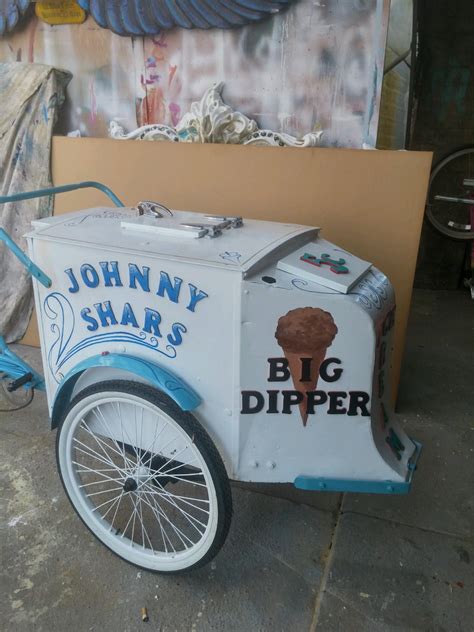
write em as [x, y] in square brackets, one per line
[25, 260]
[65, 188]
[14, 367]
[29, 195]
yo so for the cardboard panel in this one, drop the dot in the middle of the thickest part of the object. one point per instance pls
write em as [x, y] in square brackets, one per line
[369, 202]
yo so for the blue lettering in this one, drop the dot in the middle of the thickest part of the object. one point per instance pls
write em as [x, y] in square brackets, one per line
[105, 313]
[110, 274]
[195, 296]
[142, 276]
[152, 321]
[89, 275]
[128, 317]
[166, 285]
[75, 285]
[89, 319]
[175, 338]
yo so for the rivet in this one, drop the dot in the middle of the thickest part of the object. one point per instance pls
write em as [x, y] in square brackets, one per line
[271, 465]
[253, 463]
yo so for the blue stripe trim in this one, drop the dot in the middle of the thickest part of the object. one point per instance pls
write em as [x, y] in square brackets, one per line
[311, 483]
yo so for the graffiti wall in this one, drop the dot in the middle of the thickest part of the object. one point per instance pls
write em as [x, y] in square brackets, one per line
[318, 65]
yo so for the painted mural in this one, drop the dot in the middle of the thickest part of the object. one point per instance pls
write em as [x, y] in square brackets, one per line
[317, 66]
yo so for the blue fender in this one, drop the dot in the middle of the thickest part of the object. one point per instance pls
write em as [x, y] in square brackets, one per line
[162, 379]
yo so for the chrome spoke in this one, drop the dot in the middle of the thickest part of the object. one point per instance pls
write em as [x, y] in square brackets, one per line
[105, 503]
[144, 531]
[155, 438]
[188, 516]
[92, 453]
[112, 505]
[105, 469]
[178, 531]
[135, 513]
[184, 500]
[164, 535]
[116, 510]
[101, 443]
[126, 435]
[174, 458]
[130, 497]
[89, 470]
[104, 482]
[104, 491]
[120, 451]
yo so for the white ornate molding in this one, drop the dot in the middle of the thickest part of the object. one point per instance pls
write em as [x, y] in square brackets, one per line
[210, 120]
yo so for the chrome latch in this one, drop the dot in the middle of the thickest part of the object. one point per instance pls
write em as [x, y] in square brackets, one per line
[204, 230]
[153, 209]
[227, 222]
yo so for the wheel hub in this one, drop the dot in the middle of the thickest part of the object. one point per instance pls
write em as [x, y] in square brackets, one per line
[136, 478]
[130, 485]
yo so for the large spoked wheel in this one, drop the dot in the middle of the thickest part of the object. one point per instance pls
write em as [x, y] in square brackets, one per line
[453, 178]
[144, 476]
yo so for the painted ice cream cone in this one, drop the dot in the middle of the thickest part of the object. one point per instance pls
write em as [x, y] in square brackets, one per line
[304, 383]
[305, 334]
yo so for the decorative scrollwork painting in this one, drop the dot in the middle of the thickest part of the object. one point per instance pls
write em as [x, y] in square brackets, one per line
[210, 120]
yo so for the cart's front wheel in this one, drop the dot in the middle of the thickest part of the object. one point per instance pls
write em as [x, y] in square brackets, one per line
[119, 443]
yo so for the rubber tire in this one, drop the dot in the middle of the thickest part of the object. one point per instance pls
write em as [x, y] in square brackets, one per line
[201, 439]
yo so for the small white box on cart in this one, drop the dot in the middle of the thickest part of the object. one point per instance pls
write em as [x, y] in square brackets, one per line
[275, 340]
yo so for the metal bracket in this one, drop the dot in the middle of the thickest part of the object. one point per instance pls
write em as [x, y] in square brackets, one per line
[213, 230]
[203, 230]
[227, 221]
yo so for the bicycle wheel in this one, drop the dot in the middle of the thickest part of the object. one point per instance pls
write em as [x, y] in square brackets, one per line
[447, 178]
[119, 492]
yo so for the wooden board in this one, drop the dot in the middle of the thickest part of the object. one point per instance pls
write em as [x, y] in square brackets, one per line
[369, 202]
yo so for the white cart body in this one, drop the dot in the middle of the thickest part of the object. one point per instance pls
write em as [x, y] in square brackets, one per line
[147, 299]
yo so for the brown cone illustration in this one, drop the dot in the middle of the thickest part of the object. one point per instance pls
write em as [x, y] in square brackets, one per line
[295, 366]
[305, 332]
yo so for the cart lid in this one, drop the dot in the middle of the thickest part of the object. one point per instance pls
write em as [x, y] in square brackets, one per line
[182, 236]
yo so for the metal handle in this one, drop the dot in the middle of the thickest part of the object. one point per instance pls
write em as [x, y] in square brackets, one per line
[64, 188]
[447, 198]
[147, 207]
[25, 260]
[30, 195]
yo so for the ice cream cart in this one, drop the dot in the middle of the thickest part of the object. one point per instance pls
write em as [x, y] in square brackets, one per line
[183, 350]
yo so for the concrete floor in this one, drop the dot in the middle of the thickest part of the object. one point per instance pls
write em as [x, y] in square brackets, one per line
[300, 561]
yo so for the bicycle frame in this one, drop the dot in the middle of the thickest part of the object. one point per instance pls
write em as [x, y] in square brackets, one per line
[10, 364]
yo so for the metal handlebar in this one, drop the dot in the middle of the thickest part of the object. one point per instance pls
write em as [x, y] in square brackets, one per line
[25, 260]
[65, 188]
[29, 195]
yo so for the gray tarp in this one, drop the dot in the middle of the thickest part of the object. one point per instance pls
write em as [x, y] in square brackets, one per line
[30, 95]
